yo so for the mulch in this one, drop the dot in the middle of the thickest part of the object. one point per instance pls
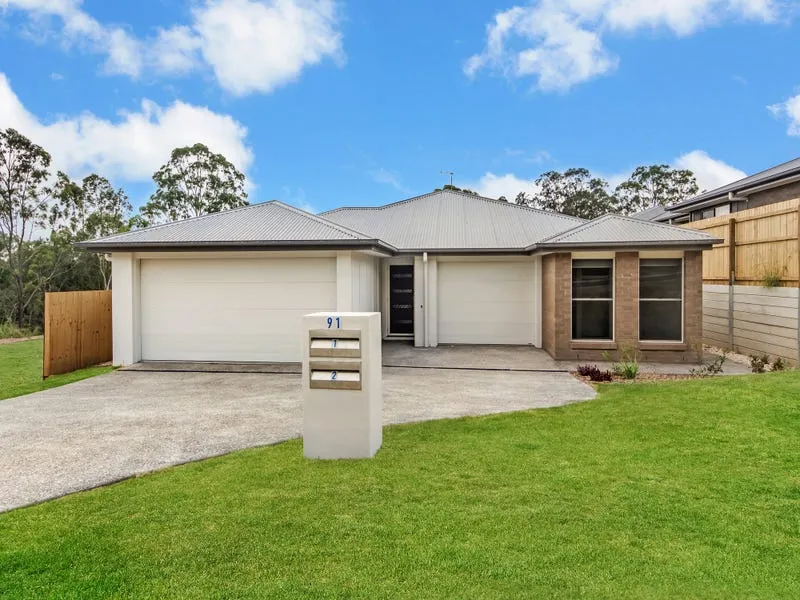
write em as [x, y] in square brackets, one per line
[5, 341]
[640, 378]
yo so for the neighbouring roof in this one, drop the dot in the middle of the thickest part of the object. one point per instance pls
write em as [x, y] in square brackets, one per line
[268, 224]
[618, 231]
[782, 171]
[654, 213]
[449, 220]
[442, 221]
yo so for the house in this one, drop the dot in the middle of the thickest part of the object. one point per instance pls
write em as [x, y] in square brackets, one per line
[441, 268]
[776, 184]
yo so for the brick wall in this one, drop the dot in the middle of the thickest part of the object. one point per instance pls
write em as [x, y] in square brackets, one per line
[548, 303]
[557, 312]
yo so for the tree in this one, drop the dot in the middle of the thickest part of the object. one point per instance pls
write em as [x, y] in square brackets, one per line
[453, 188]
[90, 210]
[195, 181]
[655, 185]
[574, 192]
[23, 210]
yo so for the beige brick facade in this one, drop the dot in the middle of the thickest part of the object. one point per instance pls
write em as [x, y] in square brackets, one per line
[557, 312]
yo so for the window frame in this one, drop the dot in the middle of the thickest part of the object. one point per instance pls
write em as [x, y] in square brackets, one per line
[682, 301]
[613, 299]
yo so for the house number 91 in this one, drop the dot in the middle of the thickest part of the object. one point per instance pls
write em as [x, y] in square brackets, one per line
[332, 320]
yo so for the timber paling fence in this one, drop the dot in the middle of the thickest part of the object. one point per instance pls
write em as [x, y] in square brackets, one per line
[751, 281]
[77, 330]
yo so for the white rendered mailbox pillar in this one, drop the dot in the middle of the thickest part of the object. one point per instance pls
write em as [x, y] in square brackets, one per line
[342, 385]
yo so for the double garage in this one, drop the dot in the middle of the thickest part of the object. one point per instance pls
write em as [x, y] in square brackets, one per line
[248, 307]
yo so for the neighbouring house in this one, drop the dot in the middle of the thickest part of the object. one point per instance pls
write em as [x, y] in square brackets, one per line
[776, 184]
[442, 268]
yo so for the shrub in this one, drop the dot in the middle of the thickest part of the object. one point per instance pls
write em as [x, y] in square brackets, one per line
[758, 364]
[11, 330]
[595, 374]
[711, 369]
[628, 365]
[771, 280]
[779, 364]
[627, 370]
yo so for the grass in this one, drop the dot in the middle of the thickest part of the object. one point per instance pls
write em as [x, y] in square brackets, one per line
[668, 490]
[21, 370]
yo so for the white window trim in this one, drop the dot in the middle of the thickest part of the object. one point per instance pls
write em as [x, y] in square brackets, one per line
[682, 301]
[613, 300]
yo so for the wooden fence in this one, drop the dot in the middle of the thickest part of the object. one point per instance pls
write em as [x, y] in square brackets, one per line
[759, 244]
[77, 330]
[751, 281]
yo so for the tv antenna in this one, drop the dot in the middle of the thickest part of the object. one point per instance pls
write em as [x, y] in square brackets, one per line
[448, 173]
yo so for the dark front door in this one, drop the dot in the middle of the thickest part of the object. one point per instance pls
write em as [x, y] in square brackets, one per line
[401, 299]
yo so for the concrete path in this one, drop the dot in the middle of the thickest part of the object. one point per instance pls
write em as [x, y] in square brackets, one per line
[126, 423]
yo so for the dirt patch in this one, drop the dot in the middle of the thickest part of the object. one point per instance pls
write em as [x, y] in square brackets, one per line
[5, 341]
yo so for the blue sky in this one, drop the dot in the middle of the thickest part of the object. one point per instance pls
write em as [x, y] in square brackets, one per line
[326, 103]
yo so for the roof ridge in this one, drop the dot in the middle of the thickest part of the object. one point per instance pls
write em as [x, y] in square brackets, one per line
[322, 220]
[628, 218]
[461, 193]
[654, 223]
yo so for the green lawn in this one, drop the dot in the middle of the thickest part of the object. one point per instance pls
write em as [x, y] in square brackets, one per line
[21, 370]
[667, 490]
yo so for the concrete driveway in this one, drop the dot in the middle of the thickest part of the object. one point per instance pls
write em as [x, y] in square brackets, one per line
[107, 428]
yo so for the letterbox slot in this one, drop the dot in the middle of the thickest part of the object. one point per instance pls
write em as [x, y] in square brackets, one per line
[335, 379]
[335, 343]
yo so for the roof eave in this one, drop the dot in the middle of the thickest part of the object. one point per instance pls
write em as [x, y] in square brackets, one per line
[712, 197]
[366, 244]
[686, 244]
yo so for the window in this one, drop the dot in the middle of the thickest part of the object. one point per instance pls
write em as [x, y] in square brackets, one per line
[661, 300]
[592, 300]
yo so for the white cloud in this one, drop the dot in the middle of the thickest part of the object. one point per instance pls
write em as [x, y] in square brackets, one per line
[175, 50]
[709, 172]
[790, 110]
[249, 45]
[131, 147]
[257, 46]
[82, 30]
[560, 42]
[382, 175]
[508, 185]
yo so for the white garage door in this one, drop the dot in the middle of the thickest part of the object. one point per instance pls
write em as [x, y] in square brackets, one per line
[486, 303]
[231, 309]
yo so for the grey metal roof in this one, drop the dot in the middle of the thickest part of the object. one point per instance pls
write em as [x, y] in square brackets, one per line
[658, 214]
[270, 223]
[447, 220]
[787, 169]
[618, 231]
[442, 221]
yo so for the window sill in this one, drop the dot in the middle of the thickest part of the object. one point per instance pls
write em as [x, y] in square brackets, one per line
[655, 346]
[589, 345]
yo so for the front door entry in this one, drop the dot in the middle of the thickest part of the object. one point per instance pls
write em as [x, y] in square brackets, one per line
[401, 299]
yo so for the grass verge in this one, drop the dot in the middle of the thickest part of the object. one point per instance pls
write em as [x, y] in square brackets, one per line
[21, 370]
[660, 490]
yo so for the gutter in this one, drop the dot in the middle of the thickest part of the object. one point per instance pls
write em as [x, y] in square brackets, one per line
[372, 244]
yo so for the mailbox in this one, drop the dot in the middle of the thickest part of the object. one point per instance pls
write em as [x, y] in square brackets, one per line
[342, 386]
